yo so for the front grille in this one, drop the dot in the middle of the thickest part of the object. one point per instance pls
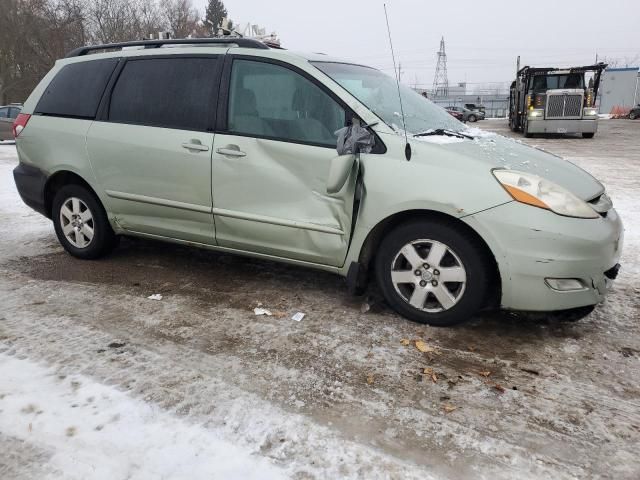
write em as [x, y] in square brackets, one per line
[564, 106]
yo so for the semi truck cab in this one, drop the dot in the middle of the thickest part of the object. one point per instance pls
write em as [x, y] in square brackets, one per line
[554, 100]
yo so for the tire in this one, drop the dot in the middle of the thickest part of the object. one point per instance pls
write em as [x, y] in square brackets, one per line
[92, 236]
[472, 118]
[424, 241]
[525, 129]
[633, 116]
[588, 135]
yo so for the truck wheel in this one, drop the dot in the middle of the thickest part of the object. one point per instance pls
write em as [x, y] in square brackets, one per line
[633, 116]
[472, 118]
[588, 135]
[81, 223]
[525, 129]
[432, 272]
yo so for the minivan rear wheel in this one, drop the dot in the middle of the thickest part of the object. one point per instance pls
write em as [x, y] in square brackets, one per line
[81, 223]
[433, 272]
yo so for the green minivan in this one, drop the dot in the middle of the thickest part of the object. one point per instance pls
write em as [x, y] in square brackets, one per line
[231, 145]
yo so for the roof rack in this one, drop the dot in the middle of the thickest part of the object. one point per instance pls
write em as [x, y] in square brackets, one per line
[240, 42]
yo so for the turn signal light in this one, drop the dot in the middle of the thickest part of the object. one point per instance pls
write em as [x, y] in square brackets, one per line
[19, 123]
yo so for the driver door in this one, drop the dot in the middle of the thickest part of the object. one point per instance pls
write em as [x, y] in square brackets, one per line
[271, 161]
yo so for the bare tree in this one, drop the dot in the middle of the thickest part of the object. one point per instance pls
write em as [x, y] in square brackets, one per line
[33, 34]
[627, 61]
[182, 18]
[111, 21]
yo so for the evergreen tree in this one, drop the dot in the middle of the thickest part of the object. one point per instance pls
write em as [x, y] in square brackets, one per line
[214, 14]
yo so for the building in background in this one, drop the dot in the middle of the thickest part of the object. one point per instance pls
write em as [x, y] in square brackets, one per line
[620, 90]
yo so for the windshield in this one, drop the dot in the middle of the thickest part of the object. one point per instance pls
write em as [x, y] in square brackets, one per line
[379, 93]
[550, 82]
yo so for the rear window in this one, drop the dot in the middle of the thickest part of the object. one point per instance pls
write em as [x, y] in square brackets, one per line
[173, 92]
[77, 89]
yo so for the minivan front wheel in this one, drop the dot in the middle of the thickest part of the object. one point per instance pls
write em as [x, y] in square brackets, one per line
[432, 272]
[81, 223]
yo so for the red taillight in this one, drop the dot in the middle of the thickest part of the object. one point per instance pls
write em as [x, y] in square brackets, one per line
[19, 123]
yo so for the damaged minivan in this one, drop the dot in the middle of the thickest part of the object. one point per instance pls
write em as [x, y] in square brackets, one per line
[231, 145]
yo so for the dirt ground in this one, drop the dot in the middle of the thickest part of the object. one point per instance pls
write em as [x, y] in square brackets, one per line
[337, 395]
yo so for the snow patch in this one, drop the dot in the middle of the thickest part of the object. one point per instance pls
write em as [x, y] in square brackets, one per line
[95, 431]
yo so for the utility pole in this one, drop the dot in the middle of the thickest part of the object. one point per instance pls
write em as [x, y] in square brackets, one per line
[399, 72]
[440, 80]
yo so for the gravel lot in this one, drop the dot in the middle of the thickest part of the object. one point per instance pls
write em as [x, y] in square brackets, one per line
[337, 395]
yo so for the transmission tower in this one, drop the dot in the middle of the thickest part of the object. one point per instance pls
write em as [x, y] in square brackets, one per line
[440, 81]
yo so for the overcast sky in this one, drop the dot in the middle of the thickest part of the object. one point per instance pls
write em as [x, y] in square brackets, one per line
[483, 37]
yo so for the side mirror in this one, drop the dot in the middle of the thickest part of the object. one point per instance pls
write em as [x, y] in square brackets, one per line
[339, 172]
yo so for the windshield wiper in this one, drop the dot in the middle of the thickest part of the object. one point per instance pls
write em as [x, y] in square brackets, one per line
[444, 131]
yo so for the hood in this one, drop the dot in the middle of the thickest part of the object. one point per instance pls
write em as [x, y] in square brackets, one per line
[497, 151]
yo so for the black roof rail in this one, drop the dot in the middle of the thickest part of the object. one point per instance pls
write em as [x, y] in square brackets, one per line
[240, 42]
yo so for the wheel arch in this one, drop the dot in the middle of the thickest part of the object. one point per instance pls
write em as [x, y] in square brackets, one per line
[57, 181]
[371, 243]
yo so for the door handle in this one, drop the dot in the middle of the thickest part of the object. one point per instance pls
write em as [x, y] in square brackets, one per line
[231, 151]
[195, 145]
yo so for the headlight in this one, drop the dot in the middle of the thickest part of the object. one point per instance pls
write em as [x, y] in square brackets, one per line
[533, 190]
[536, 113]
[590, 112]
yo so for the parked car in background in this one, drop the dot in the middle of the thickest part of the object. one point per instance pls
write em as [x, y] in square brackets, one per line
[475, 107]
[456, 114]
[8, 114]
[233, 147]
[635, 112]
[467, 115]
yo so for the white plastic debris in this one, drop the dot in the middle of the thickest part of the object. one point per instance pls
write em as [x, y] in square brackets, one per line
[155, 296]
[298, 316]
[262, 311]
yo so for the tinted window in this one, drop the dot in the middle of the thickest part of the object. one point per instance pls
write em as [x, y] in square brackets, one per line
[271, 101]
[174, 92]
[14, 112]
[4, 112]
[77, 89]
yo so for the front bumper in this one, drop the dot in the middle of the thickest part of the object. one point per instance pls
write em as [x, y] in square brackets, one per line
[531, 244]
[541, 125]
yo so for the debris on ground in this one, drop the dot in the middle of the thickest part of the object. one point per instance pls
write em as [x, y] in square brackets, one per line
[405, 342]
[530, 370]
[365, 307]
[484, 373]
[370, 379]
[298, 316]
[155, 296]
[431, 373]
[448, 408]
[262, 311]
[424, 348]
[499, 388]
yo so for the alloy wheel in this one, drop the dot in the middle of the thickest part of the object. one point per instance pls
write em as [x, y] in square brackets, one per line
[77, 222]
[428, 275]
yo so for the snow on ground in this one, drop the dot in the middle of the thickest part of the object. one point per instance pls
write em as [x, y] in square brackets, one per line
[198, 376]
[93, 431]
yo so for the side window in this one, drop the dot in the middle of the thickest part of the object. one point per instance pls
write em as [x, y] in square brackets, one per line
[272, 101]
[77, 89]
[14, 113]
[4, 113]
[177, 92]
